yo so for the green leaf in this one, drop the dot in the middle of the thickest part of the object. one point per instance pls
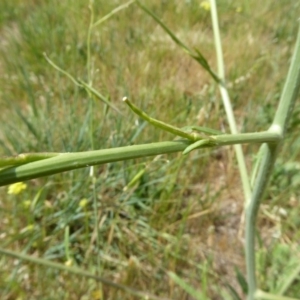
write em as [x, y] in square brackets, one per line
[189, 289]
[233, 292]
[241, 280]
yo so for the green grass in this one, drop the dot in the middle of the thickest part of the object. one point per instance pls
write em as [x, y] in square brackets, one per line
[183, 214]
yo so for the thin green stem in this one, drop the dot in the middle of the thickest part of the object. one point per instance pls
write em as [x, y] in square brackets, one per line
[260, 295]
[113, 12]
[161, 125]
[268, 156]
[62, 162]
[25, 158]
[71, 161]
[217, 39]
[227, 104]
[289, 93]
[196, 145]
[56, 67]
[79, 272]
[90, 90]
[88, 45]
[196, 54]
[247, 138]
[232, 139]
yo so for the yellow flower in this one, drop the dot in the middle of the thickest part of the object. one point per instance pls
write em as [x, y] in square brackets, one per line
[97, 295]
[16, 188]
[83, 202]
[205, 5]
[69, 263]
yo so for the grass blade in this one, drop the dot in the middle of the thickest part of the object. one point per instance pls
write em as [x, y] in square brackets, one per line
[82, 273]
[113, 12]
[189, 289]
[289, 280]
[98, 95]
[81, 83]
[198, 56]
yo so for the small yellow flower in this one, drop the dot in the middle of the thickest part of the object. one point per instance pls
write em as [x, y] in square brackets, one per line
[26, 203]
[83, 202]
[205, 5]
[16, 188]
[97, 295]
[69, 263]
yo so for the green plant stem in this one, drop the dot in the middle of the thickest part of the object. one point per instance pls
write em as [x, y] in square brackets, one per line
[25, 158]
[56, 67]
[79, 272]
[89, 89]
[247, 138]
[268, 156]
[71, 161]
[289, 93]
[260, 295]
[88, 45]
[267, 161]
[162, 125]
[183, 132]
[227, 104]
[62, 162]
[113, 12]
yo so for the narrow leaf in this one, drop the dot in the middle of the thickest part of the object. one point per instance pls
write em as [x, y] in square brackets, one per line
[188, 288]
[241, 280]
[233, 292]
[98, 95]
[160, 124]
[28, 124]
[113, 12]
[198, 56]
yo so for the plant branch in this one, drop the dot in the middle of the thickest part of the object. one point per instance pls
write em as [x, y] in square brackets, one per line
[70, 161]
[113, 12]
[62, 162]
[268, 156]
[162, 125]
[227, 104]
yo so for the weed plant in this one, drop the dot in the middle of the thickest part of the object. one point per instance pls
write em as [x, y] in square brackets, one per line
[182, 213]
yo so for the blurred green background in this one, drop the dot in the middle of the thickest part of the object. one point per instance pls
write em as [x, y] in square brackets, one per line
[183, 215]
